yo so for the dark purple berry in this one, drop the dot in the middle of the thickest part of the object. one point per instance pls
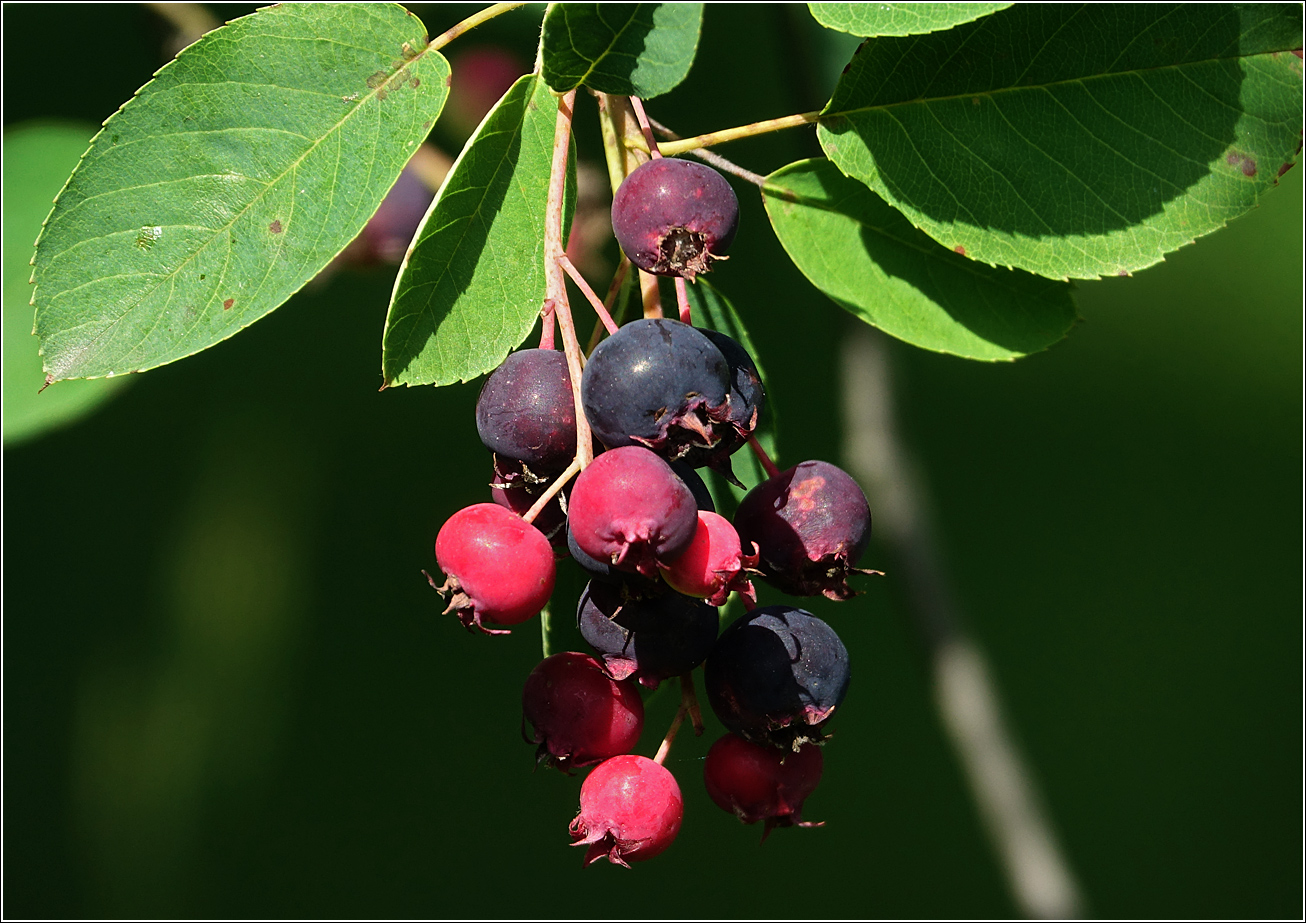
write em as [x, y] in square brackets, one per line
[811, 523]
[526, 410]
[761, 782]
[776, 674]
[579, 714]
[629, 508]
[660, 384]
[515, 487]
[651, 635]
[747, 399]
[674, 217]
[630, 810]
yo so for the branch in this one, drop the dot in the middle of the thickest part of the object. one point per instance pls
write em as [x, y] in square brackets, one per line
[1038, 875]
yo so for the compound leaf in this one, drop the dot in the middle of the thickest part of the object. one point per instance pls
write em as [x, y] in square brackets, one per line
[628, 49]
[472, 284]
[38, 159]
[868, 258]
[898, 18]
[1071, 140]
[229, 181]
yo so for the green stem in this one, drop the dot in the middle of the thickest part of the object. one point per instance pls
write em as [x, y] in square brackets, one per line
[674, 148]
[471, 22]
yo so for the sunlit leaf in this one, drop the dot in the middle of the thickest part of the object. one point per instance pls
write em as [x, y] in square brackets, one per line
[37, 161]
[229, 181]
[630, 49]
[1070, 140]
[472, 285]
[869, 259]
[898, 18]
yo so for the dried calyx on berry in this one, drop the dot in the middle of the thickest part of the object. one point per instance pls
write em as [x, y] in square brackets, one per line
[630, 810]
[674, 217]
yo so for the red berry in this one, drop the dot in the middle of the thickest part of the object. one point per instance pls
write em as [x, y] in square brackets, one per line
[499, 568]
[760, 782]
[629, 508]
[713, 565]
[580, 715]
[630, 810]
[673, 217]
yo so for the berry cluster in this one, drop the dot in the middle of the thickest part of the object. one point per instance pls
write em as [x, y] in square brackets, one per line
[662, 400]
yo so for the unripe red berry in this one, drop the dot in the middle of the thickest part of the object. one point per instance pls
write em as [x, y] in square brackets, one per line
[580, 715]
[499, 568]
[759, 782]
[713, 565]
[630, 810]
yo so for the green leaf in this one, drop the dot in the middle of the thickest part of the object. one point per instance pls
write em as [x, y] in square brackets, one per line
[898, 18]
[868, 258]
[37, 161]
[472, 285]
[713, 310]
[1075, 141]
[229, 181]
[628, 49]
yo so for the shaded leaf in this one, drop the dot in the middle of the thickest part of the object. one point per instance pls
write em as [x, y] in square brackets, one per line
[38, 158]
[1075, 141]
[868, 258]
[472, 285]
[629, 49]
[229, 181]
[898, 18]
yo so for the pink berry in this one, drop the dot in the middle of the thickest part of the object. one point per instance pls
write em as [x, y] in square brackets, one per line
[760, 782]
[498, 567]
[713, 565]
[630, 810]
[630, 509]
[580, 715]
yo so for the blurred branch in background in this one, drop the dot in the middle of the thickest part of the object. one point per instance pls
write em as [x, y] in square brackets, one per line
[1040, 879]
[190, 22]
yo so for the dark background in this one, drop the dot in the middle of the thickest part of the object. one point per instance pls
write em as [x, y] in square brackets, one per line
[227, 690]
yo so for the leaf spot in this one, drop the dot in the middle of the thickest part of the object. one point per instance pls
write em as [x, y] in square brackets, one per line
[376, 79]
[415, 82]
[959, 249]
[147, 236]
[407, 51]
[381, 93]
[275, 226]
[1285, 168]
[448, 81]
[1244, 162]
[226, 305]
[201, 277]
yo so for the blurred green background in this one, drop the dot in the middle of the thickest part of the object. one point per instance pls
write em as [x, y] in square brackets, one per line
[228, 691]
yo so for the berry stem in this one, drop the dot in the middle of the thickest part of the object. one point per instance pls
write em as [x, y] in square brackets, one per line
[555, 286]
[762, 457]
[648, 286]
[682, 299]
[546, 324]
[558, 483]
[645, 127]
[614, 290]
[599, 307]
[716, 160]
[471, 22]
[742, 131]
[688, 706]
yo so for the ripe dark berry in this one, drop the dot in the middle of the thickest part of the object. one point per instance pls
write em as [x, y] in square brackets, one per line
[580, 715]
[629, 508]
[674, 217]
[713, 565]
[630, 810]
[526, 410]
[514, 487]
[776, 674]
[660, 384]
[498, 567]
[760, 782]
[811, 523]
[746, 400]
[651, 635]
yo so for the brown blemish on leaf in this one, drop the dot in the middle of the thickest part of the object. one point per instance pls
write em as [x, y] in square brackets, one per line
[1286, 167]
[1245, 162]
[415, 82]
[407, 51]
[201, 277]
[381, 93]
[275, 226]
[448, 81]
[959, 249]
[226, 305]
[376, 79]
[1123, 272]
[426, 126]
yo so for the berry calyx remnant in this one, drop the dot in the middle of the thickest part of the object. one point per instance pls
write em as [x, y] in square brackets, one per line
[674, 217]
[499, 568]
[630, 810]
[713, 565]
